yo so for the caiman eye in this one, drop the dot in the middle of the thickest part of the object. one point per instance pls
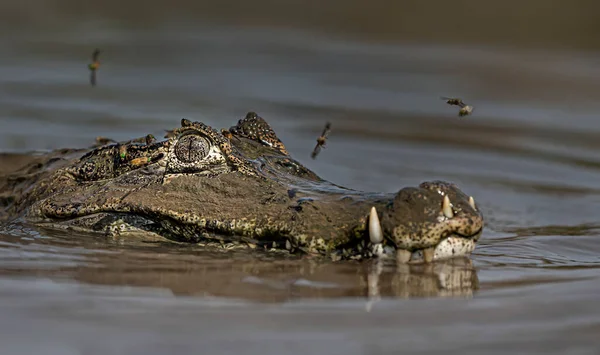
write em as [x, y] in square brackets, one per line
[192, 148]
[195, 153]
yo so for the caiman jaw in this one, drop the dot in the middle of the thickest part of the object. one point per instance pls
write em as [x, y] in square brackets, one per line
[449, 243]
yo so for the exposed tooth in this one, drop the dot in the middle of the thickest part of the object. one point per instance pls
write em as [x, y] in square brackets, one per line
[472, 202]
[428, 254]
[375, 232]
[403, 256]
[446, 208]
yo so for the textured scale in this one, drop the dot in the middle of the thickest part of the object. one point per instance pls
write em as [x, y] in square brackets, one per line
[256, 128]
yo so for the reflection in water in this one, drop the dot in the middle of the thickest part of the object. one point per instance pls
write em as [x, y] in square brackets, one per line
[251, 277]
[454, 277]
[258, 275]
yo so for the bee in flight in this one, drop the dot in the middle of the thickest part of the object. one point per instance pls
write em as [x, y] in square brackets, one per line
[93, 66]
[464, 108]
[321, 140]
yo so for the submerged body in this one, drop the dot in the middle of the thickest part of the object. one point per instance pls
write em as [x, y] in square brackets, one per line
[236, 187]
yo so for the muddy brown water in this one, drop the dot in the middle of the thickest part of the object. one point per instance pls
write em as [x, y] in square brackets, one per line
[529, 156]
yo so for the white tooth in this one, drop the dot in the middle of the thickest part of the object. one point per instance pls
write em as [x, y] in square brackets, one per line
[403, 256]
[375, 232]
[472, 202]
[446, 208]
[428, 254]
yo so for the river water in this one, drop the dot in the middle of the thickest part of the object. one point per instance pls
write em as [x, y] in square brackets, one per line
[376, 71]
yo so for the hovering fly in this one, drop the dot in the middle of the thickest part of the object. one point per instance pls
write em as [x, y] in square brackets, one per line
[321, 140]
[464, 108]
[93, 66]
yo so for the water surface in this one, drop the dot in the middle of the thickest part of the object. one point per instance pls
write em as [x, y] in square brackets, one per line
[528, 155]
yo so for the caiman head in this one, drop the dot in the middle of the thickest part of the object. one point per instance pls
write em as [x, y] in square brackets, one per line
[240, 187]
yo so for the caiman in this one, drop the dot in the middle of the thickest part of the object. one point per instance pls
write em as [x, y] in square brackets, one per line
[229, 188]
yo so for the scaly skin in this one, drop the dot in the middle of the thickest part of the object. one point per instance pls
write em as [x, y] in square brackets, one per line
[237, 187]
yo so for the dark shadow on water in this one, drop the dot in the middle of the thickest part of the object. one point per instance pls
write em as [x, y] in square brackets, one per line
[262, 276]
[578, 230]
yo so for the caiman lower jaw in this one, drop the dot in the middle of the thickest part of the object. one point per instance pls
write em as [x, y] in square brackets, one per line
[450, 247]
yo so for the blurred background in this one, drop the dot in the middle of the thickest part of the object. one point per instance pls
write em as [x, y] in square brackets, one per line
[375, 70]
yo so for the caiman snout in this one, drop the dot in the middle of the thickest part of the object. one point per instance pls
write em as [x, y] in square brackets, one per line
[434, 221]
